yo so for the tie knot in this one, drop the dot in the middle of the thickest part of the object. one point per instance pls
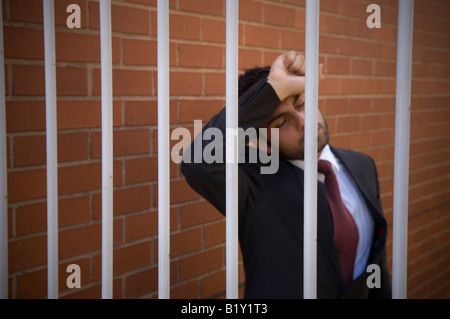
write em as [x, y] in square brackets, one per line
[324, 167]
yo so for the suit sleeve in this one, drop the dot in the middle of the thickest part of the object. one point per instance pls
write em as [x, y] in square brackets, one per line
[208, 179]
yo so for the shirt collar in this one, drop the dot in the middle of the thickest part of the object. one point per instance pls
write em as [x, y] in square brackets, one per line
[326, 155]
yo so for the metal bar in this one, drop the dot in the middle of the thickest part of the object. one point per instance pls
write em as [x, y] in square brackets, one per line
[163, 151]
[310, 177]
[3, 174]
[231, 179]
[402, 140]
[52, 152]
[107, 149]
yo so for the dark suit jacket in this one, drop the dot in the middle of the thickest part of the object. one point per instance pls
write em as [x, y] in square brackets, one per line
[271, 214]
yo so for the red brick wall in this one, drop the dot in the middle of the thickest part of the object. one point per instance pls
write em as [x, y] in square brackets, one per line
[358, 98]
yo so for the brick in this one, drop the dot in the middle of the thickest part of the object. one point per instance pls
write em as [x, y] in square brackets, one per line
[25, 116]
[127, 82]
[125, 142]
[328, 44]
[349, 124]
[73, 147]
[213, 30]
[79, 178]
[185, 83]
[185, 242]
[329, 5]
[213, 7]
[28, 184]
[330, 85]
[189, 290]
[249, 58]
[138, 170]
[293, 40]
[72, 47]
[214, 284]
[141, 225]
[201, 263]
[140, 199]
[71, 81]
[32, 218]
[32, 285]
[262, 36]
[215, 84]
[351, 86]
[278, 15]
[92, 292]
[27, 253]
[28, 80]
[201, 56]
[335, 65]
[250, 10]
[121, 201]
[123, 19]
[349, 47]
[337, 107]
[29, 150]
[131, 257]
[198, 213]
[360, 140]
[79, 240]
[140, 52]
[215, 234]
[180, 192]
[353, 8]
[370, 122]
[84, 114]
[24, 43]
[382, 137]
[184, 27]
[337, 25]
[141, 283]
[361, 67]
[31, 11]
[191, 110]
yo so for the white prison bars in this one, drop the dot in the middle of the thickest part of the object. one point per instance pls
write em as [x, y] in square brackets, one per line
[107, 149]
[52, 153]
[163, 151]
[402, 140]
[310, 177]
[3, 175]
[231, 178]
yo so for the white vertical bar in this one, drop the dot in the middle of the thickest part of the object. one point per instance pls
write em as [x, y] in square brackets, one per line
[310, 178]
[401, 158]
[107, 149]
[231, 180]
[52, 152]
[3, 174]
[163, 151]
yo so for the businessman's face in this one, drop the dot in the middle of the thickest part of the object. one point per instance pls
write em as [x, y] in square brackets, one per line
[289, 118]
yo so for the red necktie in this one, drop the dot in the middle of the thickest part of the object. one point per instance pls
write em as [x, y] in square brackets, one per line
[345, 230]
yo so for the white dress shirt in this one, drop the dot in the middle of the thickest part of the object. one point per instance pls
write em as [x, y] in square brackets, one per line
[354, 201]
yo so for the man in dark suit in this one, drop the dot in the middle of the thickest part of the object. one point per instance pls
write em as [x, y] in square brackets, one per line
[271, 205]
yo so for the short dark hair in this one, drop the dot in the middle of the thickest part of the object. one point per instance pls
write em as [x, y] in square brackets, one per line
[251, 76]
